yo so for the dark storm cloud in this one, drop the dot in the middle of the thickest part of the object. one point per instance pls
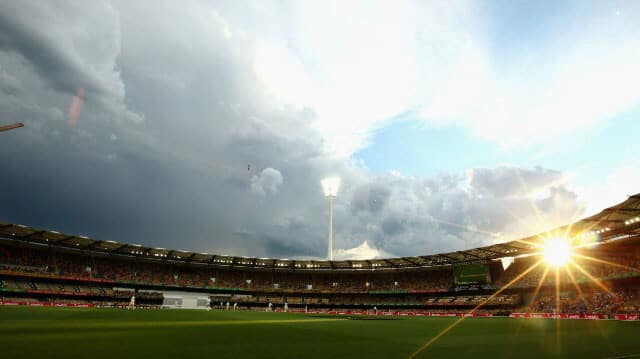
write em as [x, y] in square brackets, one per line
[292, 239]
[393, 225]
[48, 60]
[182, 180]
[72, 46]
[10, 86]
[369, 198]
[180, 145]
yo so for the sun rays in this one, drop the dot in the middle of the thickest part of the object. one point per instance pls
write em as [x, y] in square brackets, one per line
[563, 253]
[455, 323]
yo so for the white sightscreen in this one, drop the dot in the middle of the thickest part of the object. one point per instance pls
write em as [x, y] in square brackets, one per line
[185, 300]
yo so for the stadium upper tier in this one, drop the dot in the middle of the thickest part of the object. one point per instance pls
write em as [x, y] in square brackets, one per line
[616, 222]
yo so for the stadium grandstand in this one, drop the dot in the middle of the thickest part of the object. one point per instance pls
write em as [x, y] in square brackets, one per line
[48, 268]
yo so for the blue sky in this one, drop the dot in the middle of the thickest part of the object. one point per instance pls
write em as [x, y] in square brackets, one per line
[409, 146]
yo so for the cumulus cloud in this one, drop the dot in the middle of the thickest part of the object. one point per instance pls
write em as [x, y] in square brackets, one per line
[267, 182]
[427, 215]
[363, 251]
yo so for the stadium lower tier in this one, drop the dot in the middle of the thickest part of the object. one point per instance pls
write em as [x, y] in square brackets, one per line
[614, 297]
[53, 291]
[603, 280]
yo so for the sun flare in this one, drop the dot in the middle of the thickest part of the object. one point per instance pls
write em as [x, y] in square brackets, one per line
[556, 252]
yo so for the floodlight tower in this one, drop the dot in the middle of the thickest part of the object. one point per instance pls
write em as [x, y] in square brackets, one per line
[331, 185]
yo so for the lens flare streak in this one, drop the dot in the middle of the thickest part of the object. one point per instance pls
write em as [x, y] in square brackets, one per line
[454, 324]
[602, 261]
[592, 278]
[540, 283]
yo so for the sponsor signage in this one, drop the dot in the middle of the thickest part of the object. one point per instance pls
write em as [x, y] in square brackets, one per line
[48, 304]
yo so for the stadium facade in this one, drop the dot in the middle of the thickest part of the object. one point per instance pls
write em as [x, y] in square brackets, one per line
[43, 267]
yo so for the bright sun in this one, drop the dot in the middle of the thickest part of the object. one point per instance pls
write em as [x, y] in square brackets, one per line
[556, 251]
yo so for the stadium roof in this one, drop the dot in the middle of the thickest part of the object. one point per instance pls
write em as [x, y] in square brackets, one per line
[616, 222]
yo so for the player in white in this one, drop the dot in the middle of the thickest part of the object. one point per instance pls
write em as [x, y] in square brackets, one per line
[286, 307]
[235, 306]
[227, 305]
[208, 304]
[269, 307]
[132, 302]
[306, 309]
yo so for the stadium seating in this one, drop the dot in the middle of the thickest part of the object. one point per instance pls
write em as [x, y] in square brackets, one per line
[53, 275]
[21, 260]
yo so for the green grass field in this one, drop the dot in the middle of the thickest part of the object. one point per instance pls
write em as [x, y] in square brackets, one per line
[116, 334]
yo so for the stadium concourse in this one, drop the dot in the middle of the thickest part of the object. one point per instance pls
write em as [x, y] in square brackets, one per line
[601, 280]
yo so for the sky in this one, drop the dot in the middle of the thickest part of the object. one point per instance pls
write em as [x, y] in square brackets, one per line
[208, 125]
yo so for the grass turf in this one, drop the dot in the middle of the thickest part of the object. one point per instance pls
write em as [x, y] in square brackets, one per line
[117, 334]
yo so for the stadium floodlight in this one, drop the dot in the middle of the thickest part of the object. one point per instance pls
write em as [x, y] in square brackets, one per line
[330, 186]
[557, 252]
